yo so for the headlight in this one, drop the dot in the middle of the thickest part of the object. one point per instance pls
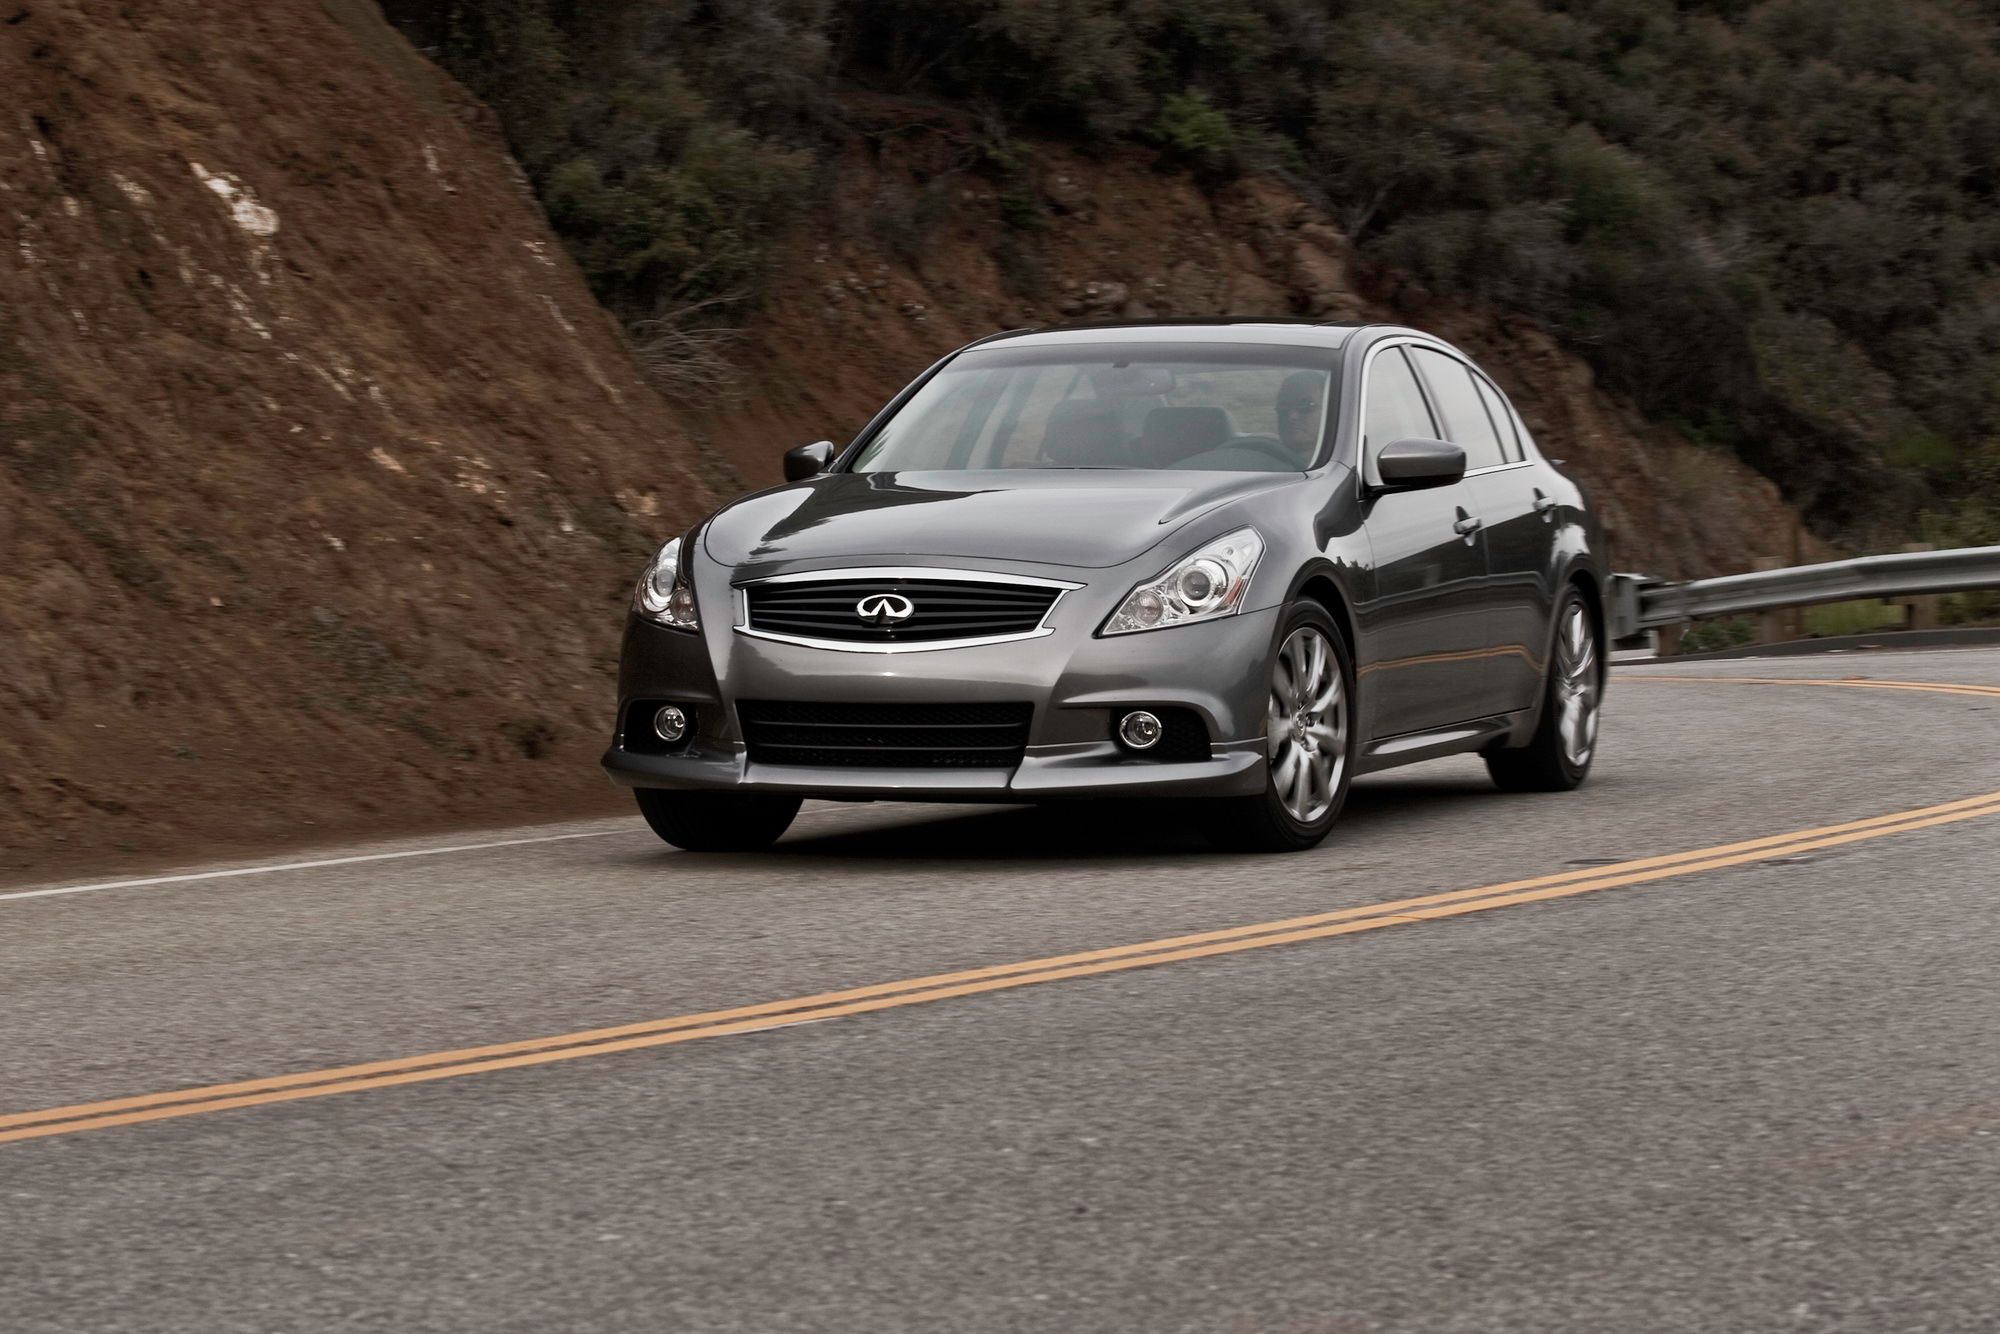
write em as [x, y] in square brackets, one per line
[664, 596]
[1207, 583]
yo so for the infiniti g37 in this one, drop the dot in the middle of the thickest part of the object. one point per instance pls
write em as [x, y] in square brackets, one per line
[1230, 562]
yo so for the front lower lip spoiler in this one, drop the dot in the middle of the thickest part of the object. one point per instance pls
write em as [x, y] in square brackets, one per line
[1094, 769]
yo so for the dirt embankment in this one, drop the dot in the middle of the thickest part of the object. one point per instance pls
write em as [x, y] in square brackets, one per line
[321, 473]
[322, 478]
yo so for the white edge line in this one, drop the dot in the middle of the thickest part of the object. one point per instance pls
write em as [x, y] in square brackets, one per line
[304, 866]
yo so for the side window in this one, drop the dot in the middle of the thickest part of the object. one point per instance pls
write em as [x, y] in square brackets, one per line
[1496, 408]
[1459, 403]
[1395, 409]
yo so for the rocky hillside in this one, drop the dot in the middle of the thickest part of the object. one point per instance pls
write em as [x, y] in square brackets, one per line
[321, 473]
[322, 477]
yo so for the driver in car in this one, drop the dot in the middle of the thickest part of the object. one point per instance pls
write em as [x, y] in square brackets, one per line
[1299, 413]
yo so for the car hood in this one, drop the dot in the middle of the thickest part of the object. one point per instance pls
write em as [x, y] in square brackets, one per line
[1058, 517]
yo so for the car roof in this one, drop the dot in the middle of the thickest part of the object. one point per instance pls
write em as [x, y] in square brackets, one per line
[1223, 329]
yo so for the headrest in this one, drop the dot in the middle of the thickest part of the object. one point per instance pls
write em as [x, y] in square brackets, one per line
[1173, 434]
[1083, 432]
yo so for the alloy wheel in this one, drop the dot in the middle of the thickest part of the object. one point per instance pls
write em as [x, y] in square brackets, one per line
[1307, 726]
[1576, 686]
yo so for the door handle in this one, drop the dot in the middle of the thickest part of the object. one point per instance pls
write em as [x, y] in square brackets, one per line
[1467, 527]
[1544, 506]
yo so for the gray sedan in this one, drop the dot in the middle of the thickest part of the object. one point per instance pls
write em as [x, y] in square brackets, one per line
[1233, 561]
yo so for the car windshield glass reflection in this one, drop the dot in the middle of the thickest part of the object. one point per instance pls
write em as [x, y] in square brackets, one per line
[1209, 409]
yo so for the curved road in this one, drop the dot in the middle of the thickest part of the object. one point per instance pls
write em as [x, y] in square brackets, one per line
[1711, 1044]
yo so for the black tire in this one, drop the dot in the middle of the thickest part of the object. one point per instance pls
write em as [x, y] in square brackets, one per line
[717, 821]
[1268, 822]
[1552, 761]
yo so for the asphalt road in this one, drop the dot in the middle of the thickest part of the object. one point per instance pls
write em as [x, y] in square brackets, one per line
[1755, 1090]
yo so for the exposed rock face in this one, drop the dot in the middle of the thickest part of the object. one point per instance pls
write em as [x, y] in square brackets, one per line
[322, 477]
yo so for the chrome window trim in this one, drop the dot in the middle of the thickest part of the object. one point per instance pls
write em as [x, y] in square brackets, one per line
[1472, 375]
[1497, 467]
[1530, 449]
[1366, 456]
[1513, 419]
[1041, 631]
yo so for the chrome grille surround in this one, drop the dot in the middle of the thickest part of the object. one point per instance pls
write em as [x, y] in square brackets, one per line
[987, 587]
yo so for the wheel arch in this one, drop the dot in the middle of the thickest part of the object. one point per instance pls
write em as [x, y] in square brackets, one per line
[1586, 582]
[1317, 584]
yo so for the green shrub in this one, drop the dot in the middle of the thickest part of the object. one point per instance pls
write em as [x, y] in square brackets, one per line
[1712, 636]
[1850, 618]
[666, 197]
[1190, 129]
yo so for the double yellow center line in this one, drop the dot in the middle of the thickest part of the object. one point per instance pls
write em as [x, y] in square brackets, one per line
[1845, 682]
[999, 977]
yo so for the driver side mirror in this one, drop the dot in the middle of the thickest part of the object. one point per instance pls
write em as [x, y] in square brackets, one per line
[1415, 465]
[809, 460]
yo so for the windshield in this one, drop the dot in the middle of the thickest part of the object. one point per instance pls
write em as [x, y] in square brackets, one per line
[1225, 409]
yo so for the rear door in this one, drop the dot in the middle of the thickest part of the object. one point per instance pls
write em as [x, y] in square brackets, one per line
[1520, 551]
[1517, 538]
[1426, 627]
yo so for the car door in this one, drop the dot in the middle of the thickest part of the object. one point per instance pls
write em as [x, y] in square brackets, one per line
[1518, 535]
[1426, 627]
[1520, 552]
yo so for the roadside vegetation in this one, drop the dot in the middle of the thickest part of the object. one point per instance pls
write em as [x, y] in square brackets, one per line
[1772, 225]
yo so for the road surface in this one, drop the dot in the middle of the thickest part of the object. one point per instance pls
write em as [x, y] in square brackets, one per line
[1712, 1044]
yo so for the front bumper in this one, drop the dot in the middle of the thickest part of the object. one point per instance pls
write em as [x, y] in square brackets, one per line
[1077, 683]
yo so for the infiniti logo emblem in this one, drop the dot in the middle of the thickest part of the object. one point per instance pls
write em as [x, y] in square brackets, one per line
[885, 608]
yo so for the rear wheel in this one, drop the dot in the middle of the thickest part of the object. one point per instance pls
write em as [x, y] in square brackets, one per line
[1557, 758]
[1309, 742]
[717, 821]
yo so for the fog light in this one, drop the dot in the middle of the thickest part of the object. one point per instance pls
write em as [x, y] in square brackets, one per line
[670, 724]
[1139, 730]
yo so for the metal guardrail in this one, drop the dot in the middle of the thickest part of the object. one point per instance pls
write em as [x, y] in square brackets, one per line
[1639, 603]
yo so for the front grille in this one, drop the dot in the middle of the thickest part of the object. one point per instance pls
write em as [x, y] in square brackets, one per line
[886, 736]
[940, 609]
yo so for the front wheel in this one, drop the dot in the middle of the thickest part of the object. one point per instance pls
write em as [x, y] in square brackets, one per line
[1557, 758]
[1309, 734]
[717, 821]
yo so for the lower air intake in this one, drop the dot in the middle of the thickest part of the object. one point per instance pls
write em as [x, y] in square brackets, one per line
[886, 736]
